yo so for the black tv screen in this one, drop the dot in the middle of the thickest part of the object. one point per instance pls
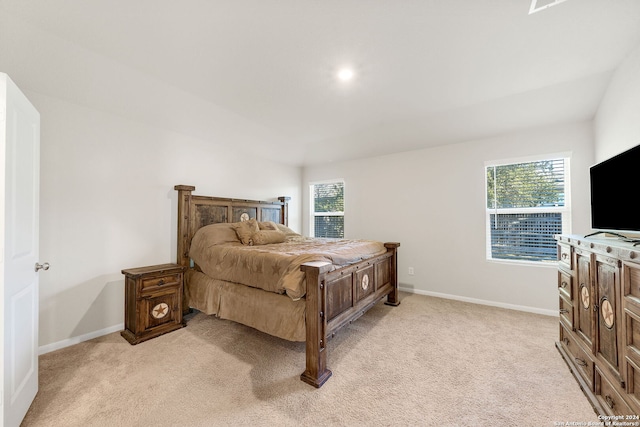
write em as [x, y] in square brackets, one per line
[615, 184]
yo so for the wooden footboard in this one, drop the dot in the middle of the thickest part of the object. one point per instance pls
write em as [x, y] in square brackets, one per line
[336, 298]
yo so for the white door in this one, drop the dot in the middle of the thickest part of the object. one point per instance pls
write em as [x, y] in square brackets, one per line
[19, 190]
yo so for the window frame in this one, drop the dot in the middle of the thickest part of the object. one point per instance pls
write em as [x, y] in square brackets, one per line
[565, 210]
[313, 214]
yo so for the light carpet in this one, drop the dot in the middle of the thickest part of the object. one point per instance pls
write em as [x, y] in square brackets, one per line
[427, 362]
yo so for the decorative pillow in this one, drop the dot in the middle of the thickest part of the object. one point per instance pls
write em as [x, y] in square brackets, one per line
[286, 230]
[267, 225]
[214, 234]
[265, 237]
[245, 230]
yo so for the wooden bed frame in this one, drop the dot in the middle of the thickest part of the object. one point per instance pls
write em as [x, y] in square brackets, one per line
[334, 298]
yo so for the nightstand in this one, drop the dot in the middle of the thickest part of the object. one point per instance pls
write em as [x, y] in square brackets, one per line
[152, 301]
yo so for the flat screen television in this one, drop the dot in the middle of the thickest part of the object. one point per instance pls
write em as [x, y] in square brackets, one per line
[615, 186]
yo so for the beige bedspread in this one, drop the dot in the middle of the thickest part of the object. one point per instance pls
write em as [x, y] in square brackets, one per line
[274, 314]
[276, 267]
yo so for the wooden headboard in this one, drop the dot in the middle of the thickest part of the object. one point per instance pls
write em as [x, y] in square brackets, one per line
[197, 211]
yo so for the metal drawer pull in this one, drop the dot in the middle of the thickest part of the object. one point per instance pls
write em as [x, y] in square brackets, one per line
[564, 284]
[566, 341]
[161, 282]
[563, 311]
[580, 362]
[564, 256]
[609, 400]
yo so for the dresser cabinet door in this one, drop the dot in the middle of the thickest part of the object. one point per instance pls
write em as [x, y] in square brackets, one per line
[584, 316]
[607, 272]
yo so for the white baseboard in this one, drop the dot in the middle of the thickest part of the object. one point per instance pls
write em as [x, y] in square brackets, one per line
[76, 340]
[482, 302]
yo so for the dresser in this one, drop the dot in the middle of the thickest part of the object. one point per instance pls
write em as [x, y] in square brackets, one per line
[599, 312]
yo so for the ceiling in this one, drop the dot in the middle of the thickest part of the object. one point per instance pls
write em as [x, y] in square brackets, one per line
[261, 73]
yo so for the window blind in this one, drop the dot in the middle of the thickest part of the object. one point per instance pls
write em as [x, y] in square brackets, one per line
[328, 209]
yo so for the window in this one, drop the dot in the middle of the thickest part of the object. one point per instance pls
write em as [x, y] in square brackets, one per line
[327, 209]
[527, 204]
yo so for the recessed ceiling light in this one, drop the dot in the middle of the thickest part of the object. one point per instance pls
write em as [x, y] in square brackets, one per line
[345, 74]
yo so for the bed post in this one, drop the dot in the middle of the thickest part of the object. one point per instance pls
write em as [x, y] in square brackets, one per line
[184, 222]
[392, 298]
[284, 213]
[316, 372]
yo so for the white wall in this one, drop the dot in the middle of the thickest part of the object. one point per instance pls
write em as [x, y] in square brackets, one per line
[433, 202]
[617, 123]
[107, 203]
[114, 142]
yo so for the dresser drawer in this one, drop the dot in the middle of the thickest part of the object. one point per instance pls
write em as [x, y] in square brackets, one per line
[565, 309]
[578, 356]
[633, 385]
[564, 256]
[608, 397]
[631, 281]
[565, 284]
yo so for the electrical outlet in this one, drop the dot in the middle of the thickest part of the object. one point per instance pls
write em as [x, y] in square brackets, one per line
[411, 271]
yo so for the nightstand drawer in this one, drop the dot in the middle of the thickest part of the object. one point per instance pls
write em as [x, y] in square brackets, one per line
[153, 283]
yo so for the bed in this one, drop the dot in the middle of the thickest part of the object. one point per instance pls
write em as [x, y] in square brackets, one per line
[246, 265]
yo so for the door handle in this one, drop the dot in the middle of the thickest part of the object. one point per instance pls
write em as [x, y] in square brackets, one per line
[44, 266]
